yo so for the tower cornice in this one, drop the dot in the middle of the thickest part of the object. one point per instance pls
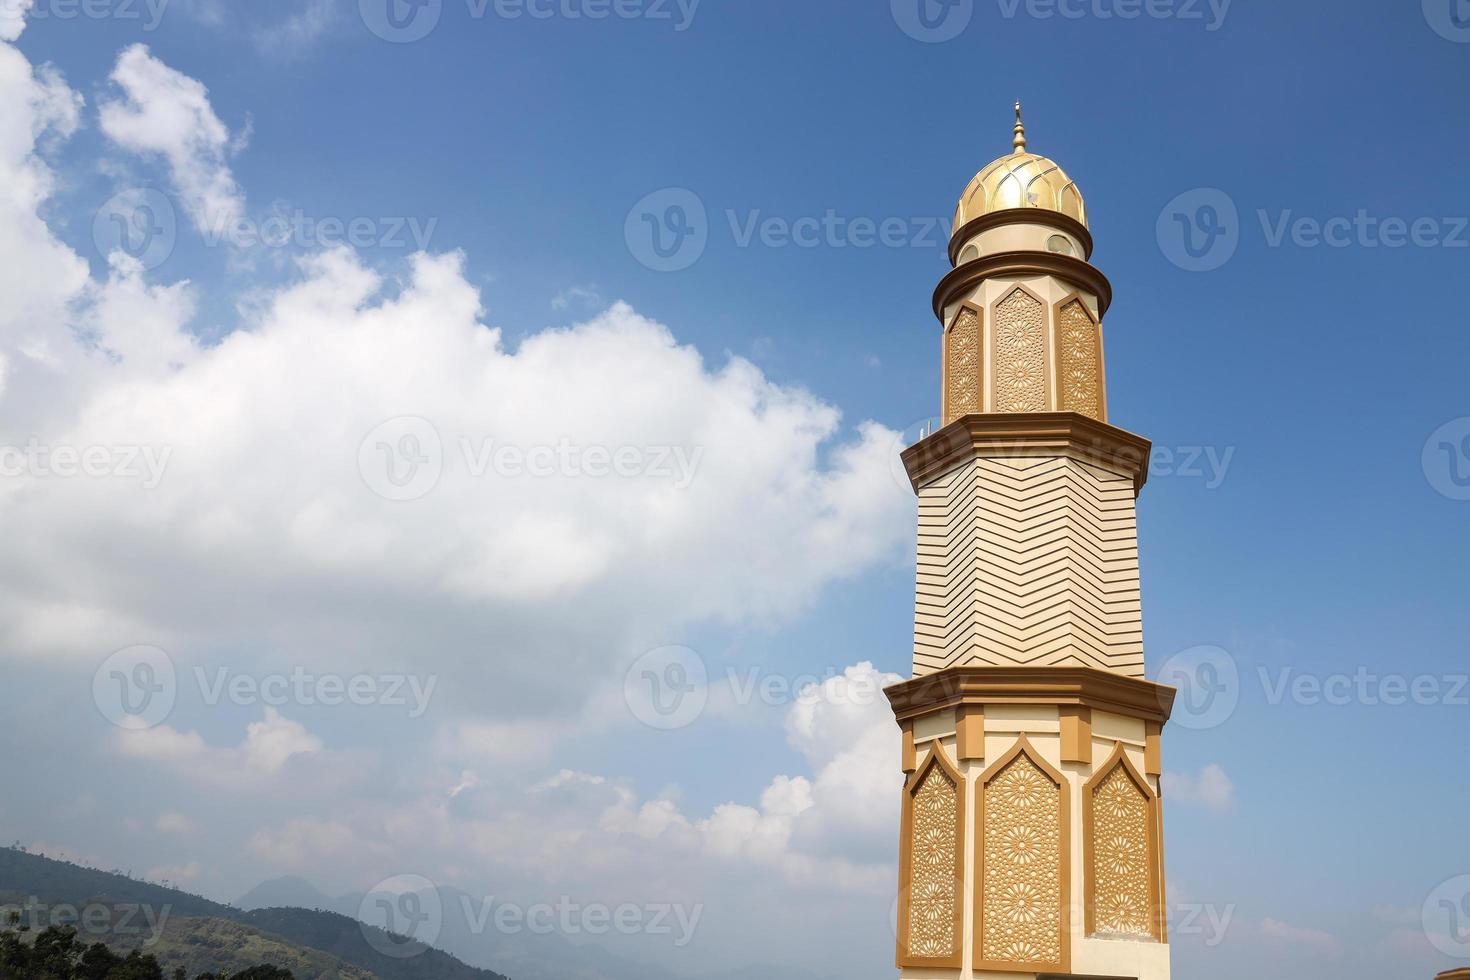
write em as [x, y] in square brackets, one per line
[1028, 434]
[1083, 686]
[960, 280]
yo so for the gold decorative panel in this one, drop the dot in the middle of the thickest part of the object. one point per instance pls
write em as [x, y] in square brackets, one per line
[932, 872]
[962, 367]
[1022, 918]
[1079, 361]
[1122, 854]
[1019, 353]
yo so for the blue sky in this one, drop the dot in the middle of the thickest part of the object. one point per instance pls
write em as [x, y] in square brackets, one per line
[1319, 531]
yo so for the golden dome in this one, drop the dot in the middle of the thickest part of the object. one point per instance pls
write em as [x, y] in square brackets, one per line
[1021, 180]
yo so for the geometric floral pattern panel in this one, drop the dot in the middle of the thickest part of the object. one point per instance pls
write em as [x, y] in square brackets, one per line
[1022, 893]
[1078, 369]
[962, 367]
[934, 891]
[1120, 857]
[1020, 353]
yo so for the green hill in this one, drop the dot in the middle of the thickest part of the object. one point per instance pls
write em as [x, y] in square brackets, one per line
[344, 937]
[185, 930]
[221, 945]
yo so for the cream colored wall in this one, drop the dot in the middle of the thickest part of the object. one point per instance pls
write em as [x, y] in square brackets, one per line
[1017, 237]
[1028, 560]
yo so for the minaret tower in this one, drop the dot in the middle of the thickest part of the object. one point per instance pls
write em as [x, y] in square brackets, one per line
[1032, 841]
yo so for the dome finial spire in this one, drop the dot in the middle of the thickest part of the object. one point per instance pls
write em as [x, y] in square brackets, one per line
[1020, 141]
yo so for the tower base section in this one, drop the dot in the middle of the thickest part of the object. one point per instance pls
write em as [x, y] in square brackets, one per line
[1032, 841]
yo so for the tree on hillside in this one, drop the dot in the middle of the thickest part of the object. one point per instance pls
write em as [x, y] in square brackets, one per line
[57, 954]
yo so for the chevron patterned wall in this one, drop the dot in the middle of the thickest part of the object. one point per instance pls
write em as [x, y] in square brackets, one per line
[1029, 560]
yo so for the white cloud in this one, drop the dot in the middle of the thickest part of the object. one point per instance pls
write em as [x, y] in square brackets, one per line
[273, 740]
[175, 823]
[13, 18]
[586, 297]
[533, 593]
[545, 585]
[1209, 788]
[468, 780]
[304, 842]
[39, 276]
[299, 31]
[565, 576]
[269, 744]
[166, 113]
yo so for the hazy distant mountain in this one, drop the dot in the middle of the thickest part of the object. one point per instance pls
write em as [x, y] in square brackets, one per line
[522, 955]
[288, 892]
